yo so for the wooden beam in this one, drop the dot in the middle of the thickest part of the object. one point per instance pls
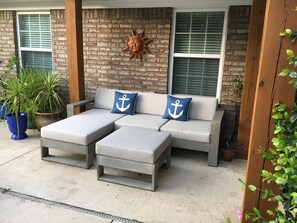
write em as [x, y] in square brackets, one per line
[250, 77]
[73, 13]
[270, 89]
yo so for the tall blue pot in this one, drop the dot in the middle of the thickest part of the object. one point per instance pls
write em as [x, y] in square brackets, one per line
[2, 111]
[12, 125]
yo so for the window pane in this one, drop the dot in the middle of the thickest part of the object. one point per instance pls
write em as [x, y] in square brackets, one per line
[197, 43]
[181, 43]
[195, 76]
[35, 31]
[183, 22]
[34, 23]
[199, 32]
[25, 39]
[37, 59]
[213, 43]
[199, 20]
[24, 22]
[215, 22]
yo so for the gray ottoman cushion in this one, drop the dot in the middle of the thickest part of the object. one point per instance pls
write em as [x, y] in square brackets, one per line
[134, 144]
[83, 128]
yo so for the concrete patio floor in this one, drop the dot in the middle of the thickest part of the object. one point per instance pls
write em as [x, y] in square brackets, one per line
[189, 191]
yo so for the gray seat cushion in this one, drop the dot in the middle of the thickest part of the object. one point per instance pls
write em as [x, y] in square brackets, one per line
[193, 130]
[134, 144]
[83, 128]
[145, 121]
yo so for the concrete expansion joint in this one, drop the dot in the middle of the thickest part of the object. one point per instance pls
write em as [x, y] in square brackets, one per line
[113, 218]
[2, 164]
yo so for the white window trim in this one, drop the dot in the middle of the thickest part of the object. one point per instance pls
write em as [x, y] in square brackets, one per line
[220, 56]
[20, 49]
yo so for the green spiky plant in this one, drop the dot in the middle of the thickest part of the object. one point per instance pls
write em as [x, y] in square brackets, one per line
[48, 100]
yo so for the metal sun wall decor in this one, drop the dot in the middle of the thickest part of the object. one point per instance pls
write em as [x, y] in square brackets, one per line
[137, 45]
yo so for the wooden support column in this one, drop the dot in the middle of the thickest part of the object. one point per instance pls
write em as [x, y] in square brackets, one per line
[73, 13]
[270, 89]
[250, 77]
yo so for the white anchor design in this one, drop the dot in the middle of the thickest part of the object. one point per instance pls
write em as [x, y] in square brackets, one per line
[123, 99]
[174, 115]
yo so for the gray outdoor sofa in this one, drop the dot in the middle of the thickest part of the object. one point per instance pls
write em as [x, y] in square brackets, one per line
[79, 133]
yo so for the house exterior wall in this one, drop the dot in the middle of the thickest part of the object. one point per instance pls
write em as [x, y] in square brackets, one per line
[236, 48]
[106, 65]
[235, 54]
[104, 36]
[8, 46]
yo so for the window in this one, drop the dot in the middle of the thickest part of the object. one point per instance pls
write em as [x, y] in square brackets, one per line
[35, 45]
[197, 52]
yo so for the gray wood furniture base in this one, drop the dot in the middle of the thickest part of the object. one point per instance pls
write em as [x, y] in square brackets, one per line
[136, 150]
[87, 150]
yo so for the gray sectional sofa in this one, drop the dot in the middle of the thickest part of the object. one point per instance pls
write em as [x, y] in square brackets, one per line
[79, 133]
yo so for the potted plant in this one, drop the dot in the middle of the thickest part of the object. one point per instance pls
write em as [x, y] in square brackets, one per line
[227, 152]
[237, 86]
[8, 72]
[16, 88]
[48, 102]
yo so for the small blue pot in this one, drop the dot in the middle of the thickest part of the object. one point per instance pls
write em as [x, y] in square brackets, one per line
[3, 110]
[12, 125]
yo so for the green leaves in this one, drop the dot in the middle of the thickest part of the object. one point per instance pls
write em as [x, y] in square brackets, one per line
[282, 155]
[252, 188]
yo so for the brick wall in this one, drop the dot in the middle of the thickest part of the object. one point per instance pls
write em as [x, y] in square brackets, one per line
[236, 47]
[104, 37]
[235, 54]
[8, 37]
[106, 65]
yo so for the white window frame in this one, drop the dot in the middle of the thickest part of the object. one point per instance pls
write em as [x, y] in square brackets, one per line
[221, 57]
[20, 49]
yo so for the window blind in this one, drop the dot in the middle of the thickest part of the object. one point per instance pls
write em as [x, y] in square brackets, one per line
[35, 40]
[196, 76]
[197, 50]
[199, 32]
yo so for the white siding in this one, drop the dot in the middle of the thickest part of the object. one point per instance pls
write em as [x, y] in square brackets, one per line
[59, 4]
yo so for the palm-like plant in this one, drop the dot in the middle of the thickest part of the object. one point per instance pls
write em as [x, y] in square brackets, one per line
[48, 100]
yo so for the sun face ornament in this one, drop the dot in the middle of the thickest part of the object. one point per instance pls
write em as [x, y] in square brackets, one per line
[137, 45]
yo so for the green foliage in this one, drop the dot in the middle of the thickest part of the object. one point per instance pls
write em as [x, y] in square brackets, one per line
[48, 100]
[10, 70]
[283, 157]
[237, 85]
[29, 90]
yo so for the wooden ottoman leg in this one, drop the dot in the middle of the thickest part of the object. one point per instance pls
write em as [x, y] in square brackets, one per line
[44, 151]
[100, 171]
[154, 177]
[168, 159]
[89, 157]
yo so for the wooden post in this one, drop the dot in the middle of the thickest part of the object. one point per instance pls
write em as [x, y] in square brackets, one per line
[270, 89]
[250, 77]
[73, 13]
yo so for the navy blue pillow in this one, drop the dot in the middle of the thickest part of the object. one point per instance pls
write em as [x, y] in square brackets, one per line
[177, 108]
[124, 103]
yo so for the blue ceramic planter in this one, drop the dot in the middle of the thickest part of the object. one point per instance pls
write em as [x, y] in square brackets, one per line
[12, 125]
[2, 111]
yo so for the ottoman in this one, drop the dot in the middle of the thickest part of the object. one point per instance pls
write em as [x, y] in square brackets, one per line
[133, 149]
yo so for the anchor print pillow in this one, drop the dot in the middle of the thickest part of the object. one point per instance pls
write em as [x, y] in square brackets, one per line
[124, 103]
[177, 108]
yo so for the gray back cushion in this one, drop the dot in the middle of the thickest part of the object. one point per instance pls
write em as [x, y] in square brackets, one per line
[104, 98]
[201, 107]
[151, 103]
